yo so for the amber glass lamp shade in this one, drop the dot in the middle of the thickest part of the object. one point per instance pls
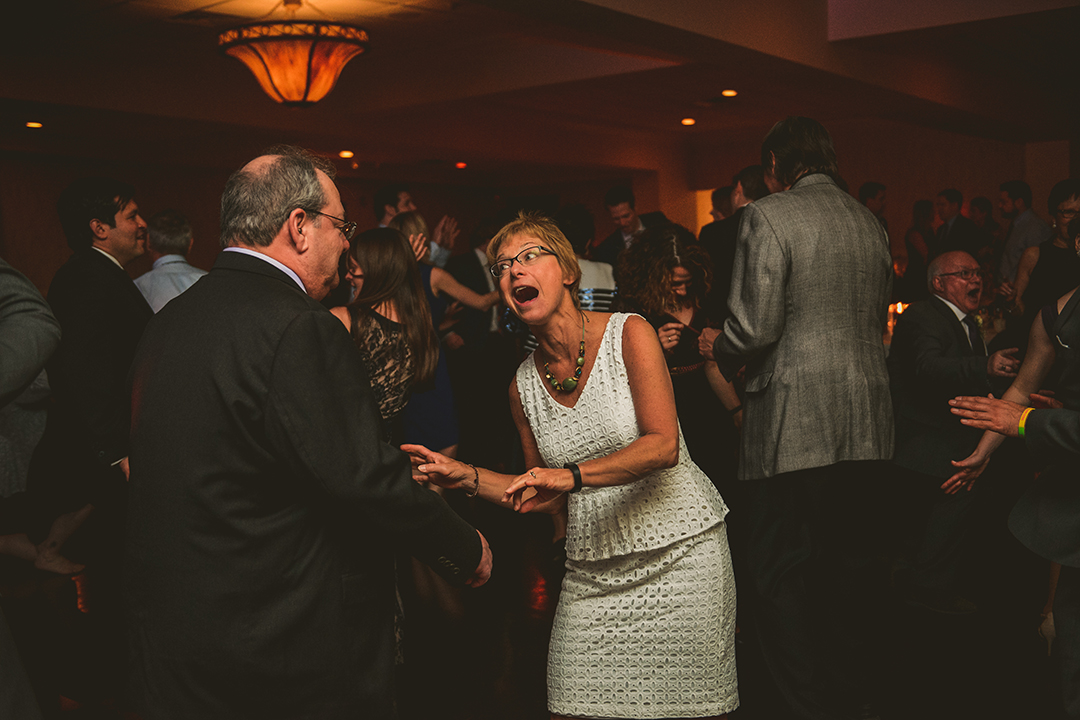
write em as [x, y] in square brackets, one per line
[296, 63]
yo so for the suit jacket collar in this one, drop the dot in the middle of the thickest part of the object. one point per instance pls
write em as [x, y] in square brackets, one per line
[958, 327]
[246, 263]
[817, 178]
[107, 267]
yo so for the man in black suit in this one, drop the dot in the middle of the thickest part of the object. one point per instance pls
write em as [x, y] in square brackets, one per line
[81, 461]
[718, 238]
[956, 232]
[265, 509]
[620, 203]
[937, 353]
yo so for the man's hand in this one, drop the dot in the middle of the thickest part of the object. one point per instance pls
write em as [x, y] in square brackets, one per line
[483, 570]
[1003, 363]
[705, 342]
[446, 232]
[989, 413]
[125, 467]
[1006, 290]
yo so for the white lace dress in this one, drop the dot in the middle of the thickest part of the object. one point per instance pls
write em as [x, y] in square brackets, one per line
[645, 626]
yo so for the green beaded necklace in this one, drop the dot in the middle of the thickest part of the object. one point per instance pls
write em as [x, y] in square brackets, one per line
[570, 383]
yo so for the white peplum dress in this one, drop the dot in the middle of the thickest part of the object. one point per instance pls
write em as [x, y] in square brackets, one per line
[645, 626]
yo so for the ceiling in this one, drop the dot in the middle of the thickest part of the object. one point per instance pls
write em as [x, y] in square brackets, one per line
[507, 84]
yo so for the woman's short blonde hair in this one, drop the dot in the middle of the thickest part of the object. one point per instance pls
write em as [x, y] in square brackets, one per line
[550, 236]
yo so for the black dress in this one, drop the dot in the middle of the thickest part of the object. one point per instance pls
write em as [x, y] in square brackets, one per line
[706, 425]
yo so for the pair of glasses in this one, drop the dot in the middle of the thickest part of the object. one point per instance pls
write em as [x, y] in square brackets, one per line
[526, 257]
[962, 274]
[347, 227]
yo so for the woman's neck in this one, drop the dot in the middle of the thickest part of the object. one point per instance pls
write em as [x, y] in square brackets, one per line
[561, 334]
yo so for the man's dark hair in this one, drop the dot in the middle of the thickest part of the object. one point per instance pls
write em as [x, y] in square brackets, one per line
[1061, 192]
[719, 194]
[869, 189]
[255, 204]
[752, 179]
[170, 233]
[618, 195]
[386, 195]
[578, 225]
[952, 195]
[982, 204]
[87, 199]
[1017, 190]
[800, 146]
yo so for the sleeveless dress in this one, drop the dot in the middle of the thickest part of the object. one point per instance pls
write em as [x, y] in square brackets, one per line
[645, 626]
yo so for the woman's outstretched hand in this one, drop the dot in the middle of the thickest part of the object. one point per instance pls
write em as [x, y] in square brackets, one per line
[548, 484]
[433, 467]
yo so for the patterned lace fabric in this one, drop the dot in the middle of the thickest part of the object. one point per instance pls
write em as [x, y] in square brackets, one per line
[659, 509]
[385, 352]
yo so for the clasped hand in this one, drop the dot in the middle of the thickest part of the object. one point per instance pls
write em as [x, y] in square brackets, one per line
[536, 487]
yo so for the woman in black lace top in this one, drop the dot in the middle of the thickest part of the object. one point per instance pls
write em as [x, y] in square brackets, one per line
[389, 319]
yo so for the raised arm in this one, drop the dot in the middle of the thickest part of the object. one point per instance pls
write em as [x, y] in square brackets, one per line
[444, 282]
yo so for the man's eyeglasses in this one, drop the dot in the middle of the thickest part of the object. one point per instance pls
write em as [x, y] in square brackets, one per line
[347, 227]
[526, 257]
[967, 274]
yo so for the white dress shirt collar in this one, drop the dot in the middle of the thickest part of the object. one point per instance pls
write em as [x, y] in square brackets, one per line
[266, 258]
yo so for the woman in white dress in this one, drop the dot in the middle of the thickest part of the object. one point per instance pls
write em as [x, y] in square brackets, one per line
[646, 619]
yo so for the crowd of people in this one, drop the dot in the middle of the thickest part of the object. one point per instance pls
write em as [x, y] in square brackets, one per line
[262, 460]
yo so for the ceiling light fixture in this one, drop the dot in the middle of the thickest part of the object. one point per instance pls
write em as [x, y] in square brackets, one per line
[688, 121]
[346, 154]
[34, 124]
[461, 165]
[297, 62]
[729, 93]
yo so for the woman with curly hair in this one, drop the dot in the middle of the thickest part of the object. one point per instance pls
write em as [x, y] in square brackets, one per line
[665, 275]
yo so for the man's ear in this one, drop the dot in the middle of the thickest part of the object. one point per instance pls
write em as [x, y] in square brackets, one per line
[99, 229]
[298, 223]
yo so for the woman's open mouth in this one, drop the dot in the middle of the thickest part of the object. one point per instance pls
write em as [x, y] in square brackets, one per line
[524, 294]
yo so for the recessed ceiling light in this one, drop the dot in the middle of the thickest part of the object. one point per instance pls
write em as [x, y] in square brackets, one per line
[688, 121]
[346, 154]
[729, 93]
[461, 165]
[34, 125]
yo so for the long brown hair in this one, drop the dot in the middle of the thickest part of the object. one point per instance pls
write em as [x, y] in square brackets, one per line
[391, 275]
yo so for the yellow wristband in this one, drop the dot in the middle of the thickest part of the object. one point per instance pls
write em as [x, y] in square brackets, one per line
[1023, 419]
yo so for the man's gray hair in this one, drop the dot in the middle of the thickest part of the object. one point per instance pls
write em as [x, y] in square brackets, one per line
[255, 204]
[170, 233]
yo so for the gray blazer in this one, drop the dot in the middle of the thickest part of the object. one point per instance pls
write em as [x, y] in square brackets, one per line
[809, 304]
[29, 333]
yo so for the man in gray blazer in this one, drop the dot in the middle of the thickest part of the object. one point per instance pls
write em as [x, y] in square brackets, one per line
[809, 303]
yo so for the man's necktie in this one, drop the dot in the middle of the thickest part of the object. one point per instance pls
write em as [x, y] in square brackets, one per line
[974, 336]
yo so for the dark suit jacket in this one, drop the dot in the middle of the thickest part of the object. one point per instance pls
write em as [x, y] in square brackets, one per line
[29, 333]
[473, 326]
[609, 250]
[718, 239]
[265, 510]
[930, 362]
[102, 316]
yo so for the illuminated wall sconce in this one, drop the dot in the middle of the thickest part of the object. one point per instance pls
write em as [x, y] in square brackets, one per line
[688, 121]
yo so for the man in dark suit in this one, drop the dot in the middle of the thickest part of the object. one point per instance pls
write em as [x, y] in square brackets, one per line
[937, 353]
[718, 238]
[956, 232]
[620, 203]
[81, 461]
[265, 509]
[809, 303]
